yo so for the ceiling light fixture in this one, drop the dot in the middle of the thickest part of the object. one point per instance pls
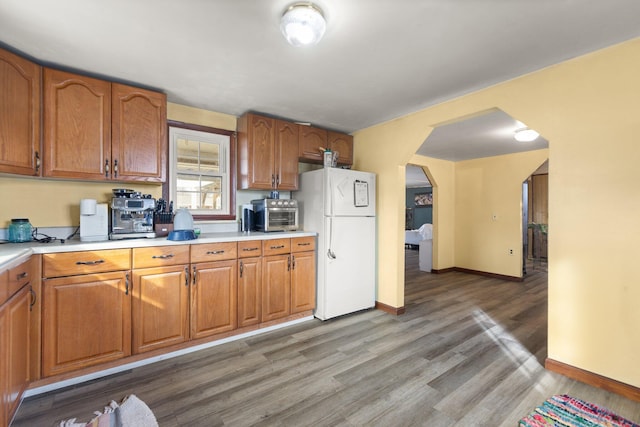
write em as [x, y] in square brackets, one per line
[525, 135]
[303, 24]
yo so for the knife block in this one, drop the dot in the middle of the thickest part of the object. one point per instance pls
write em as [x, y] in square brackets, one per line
[162, 230]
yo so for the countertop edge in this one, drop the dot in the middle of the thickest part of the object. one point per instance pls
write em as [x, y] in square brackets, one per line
[12, 254]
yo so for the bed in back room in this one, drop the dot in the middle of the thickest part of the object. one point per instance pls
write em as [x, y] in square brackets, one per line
[412, 238]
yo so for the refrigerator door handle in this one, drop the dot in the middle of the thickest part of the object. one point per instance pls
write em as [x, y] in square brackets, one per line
[330, 253]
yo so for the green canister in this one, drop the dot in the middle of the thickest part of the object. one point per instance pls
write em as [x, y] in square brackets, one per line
[19, 230]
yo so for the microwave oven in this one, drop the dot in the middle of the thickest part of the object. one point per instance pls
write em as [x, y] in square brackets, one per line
[275, 214]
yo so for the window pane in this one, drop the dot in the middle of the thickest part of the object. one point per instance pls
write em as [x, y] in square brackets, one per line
[187, 151]
[199, 171]
[209, 158]
[194, 192]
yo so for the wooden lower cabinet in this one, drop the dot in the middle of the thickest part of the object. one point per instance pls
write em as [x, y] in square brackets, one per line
[160, 299]
[213, 298]
[303, 281]
[163, 296]
[276, 287]
[86, 320]
[17, 345]
[249, 291]
[14, 352]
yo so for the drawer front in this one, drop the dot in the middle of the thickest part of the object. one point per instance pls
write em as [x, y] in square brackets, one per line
[303, 244]
[21, 275]
[160, 256]
[249, 248]
[85, 262]
[214, 251]
[276, 247]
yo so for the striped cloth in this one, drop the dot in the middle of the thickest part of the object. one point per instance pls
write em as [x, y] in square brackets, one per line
[567, 411]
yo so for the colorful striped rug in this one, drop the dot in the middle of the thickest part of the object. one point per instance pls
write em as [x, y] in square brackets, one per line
[567, 411]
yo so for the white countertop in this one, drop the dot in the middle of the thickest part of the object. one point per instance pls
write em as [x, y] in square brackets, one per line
[12, 254]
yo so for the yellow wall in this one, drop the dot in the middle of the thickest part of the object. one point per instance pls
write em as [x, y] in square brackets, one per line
[477, 210]
[55, 203]
[197, 116]
[488, 211]
[441, 174]
[589, 109]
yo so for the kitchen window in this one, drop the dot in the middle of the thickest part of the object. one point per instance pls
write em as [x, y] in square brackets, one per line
[201, 171]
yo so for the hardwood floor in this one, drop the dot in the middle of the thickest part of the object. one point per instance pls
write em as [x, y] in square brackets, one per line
[468, 352]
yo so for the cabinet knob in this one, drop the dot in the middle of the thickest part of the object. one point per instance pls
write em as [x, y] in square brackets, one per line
[106, 168]
[115, 168]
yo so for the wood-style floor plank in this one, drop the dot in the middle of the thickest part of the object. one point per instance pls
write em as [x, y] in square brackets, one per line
[469, 351]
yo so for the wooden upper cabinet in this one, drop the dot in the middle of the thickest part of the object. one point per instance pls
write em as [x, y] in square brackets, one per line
[20, 89]
[286, 155]
[255, 152]
[77, 126]
[96, 130]
[139, 134]
[343, 144]
[267, 153]
[311, 140]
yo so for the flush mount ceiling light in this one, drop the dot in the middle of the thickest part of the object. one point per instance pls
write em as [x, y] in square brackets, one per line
[303, 24]
[525, 135]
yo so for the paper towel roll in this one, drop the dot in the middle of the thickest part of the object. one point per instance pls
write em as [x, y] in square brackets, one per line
[88, 206]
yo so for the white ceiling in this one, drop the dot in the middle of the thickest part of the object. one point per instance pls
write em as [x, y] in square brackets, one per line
[415, 177]
[485, 135]
[379, 59]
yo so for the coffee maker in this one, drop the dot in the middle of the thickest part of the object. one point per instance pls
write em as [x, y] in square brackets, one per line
[131, 215]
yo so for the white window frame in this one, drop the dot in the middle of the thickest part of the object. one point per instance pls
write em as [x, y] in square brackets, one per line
[225, 141]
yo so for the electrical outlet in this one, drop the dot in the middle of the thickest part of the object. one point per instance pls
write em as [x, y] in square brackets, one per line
[510, 251]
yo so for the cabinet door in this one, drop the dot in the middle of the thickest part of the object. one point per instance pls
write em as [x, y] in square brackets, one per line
[256, 152]
[19, 115]
[18, 347]
[286, 155]
[86, 320]
[343, 144]
[249, 291]
[160, 307]
[35, 331]
[311, 139]
[4, 355]
[303, 281]
[276, 287]
[139, 134]
[77, 126]
[214, 298]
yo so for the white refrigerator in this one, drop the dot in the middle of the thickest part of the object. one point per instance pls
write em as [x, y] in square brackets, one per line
[340, 205]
